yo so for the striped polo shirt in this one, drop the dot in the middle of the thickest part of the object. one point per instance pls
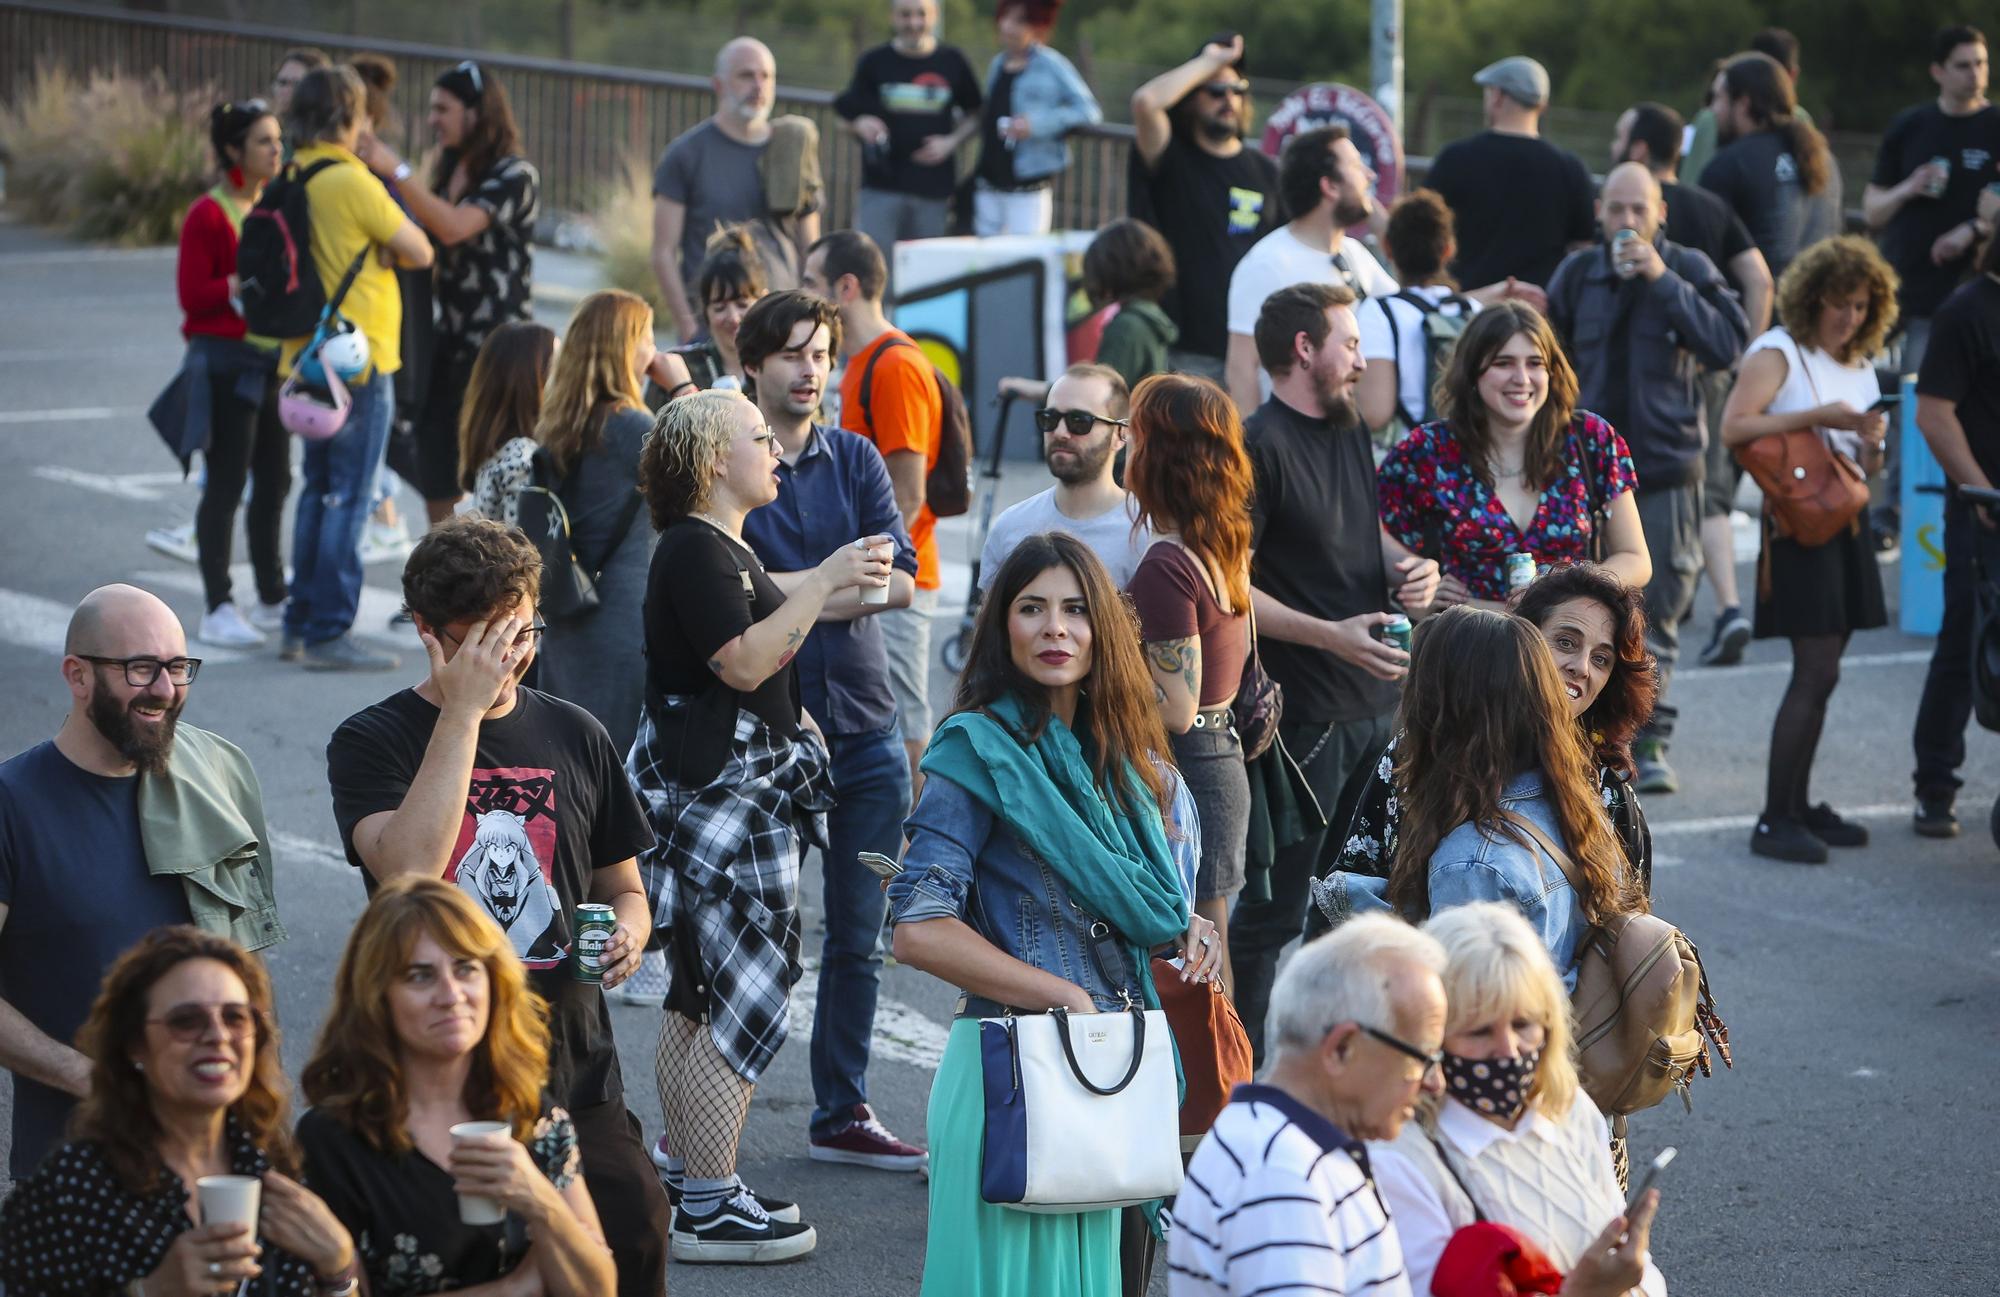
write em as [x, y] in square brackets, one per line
[1278, 1201]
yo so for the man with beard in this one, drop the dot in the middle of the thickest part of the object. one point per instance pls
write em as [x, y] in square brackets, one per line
[1326, 187]
[98, 829]
[420, 781]
[833, 489]
[1208, 196]
[710, 176]
[1323, 574]
[1083, 429]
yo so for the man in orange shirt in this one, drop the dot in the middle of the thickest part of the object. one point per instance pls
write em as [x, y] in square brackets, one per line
[889, 394]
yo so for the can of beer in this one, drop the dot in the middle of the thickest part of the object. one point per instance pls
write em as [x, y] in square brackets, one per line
[1936, 186]
[594, 924]
[1520, 571]
[1396, 631]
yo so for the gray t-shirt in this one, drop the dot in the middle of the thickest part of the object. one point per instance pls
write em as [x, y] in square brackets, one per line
[1110, 535]
[716, 179]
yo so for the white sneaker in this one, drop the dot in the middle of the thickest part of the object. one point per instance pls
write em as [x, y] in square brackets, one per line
[268, 616]
[225, 628]
[175, 542]
[382, 543]
[648, 985]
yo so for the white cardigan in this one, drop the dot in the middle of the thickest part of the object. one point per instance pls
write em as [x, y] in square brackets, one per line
[1550, 1179]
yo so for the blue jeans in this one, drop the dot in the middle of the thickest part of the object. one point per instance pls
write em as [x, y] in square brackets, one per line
[871, 783]
[336, 494]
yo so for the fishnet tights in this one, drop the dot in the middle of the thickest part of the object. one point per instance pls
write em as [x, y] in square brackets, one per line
[703, 1100]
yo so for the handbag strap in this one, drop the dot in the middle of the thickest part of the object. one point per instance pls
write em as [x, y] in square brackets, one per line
[1069, 1051]
[1549, 845]
[1478, 1214]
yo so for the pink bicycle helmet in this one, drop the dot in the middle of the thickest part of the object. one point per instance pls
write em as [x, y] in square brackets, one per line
[314, 414]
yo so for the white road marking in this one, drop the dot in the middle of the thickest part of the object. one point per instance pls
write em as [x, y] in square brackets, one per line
[36, 355]
[1864, 1073]
[1858, 662]
[66, 256]
[124, 486]
[32, 622]
[901, 1033]
[370, 623]
[311, 849]
[76, 414]
[1719, 823]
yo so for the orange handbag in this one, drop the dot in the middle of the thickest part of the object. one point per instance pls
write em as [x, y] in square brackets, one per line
[1812, 492]
[1214, 1048]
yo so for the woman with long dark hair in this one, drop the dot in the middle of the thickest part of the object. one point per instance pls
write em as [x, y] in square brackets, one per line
[503, 403]
[186, 1082]
[1512, 466]
[1836, 304]
[1042, 799]
[1192, 480]
[1595, 626]
[1487, 732]
[432, 1025]
[729, 283]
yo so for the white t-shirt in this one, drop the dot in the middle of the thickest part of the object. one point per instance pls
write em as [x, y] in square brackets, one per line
[1109, 535]
[1279, 260]
[1813, 378]
[1393, 330]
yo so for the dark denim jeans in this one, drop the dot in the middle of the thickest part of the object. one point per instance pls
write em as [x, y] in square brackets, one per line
[1946, 706]
[336, 494]
[871, 782]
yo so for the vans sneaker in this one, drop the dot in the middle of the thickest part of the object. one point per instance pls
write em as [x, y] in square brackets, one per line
[1782, 839]
[776, 1208]
[865, 1141]
[1731, 637]
[740, 1232]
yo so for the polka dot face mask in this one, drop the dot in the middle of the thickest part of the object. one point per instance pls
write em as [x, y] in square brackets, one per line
[1492, 1087]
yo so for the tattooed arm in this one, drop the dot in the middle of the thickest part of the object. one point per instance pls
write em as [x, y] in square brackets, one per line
[768, 646]
[1176, 666]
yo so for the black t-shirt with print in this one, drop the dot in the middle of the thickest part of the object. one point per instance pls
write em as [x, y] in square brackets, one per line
[548, 805]
[403, 1212]
[1758, 177]
[915, 96]
[1211, 211]
[1971, 144]
[487, 280]
[1962, 365]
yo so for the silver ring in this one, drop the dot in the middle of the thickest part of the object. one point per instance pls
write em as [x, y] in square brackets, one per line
[214, 1269]
[1208, 939]
[861, 544]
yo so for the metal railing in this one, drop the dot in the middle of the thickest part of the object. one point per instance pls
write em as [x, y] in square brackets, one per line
[582, 124]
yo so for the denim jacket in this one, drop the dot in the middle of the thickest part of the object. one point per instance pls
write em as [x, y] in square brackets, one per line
[962, 865]
[1053, 97]
[1474, 863]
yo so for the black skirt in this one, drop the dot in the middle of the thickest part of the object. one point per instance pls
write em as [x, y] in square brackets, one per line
[1830, 589]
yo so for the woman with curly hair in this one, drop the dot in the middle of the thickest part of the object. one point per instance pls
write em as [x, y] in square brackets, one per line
[1191, 479]
[1836, 304]
[433, 1025]
[1488, 732]
[186, 1083]
[1595, 626]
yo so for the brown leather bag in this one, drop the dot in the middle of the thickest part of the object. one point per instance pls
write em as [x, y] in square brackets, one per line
[1812, 492]
[1214, 1048]
[1641, 1004]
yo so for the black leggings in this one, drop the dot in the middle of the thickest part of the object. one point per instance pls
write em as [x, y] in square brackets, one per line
[1801, 716]
[244, 442]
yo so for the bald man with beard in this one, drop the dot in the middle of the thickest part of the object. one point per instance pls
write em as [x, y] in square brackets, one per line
[114, 827]
[1641, 317]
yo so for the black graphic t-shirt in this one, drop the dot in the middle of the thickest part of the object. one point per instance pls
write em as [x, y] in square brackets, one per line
[1210, 211]
[916, 96]
[548, 806]
[486, 281]
[1970, 146]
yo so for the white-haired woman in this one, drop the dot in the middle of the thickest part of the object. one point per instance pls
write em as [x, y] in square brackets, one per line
[1514, 1139]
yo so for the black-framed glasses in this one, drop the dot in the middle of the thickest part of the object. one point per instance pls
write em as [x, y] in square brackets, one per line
[187, 1023]
[1224, 89]
[1430, 1058]
[142, 672]
[1079, 422]
[471, 69]
[522, 638]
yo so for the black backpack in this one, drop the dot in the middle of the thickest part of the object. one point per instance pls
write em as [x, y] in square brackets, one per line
[1443, 322]
[569, 583]
[281, 291]
[948, 487]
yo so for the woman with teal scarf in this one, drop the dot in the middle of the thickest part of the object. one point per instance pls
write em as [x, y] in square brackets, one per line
[1044, 809]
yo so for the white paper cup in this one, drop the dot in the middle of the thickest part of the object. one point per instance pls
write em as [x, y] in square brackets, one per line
[229, 1199]
[472, 1209]
[876, 594]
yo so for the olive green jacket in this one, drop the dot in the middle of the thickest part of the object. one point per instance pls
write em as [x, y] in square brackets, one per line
[203, 822]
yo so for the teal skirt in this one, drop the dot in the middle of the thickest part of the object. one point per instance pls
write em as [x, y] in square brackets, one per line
[976, 1249]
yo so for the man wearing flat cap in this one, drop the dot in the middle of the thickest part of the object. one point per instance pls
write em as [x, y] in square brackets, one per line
[1520, 203]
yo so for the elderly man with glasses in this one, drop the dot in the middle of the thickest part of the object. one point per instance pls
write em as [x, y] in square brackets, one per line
[1356, 1035]
[125, 821]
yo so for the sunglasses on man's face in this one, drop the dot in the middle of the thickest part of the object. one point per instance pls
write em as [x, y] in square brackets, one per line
[1224, 89]
[1079, 422]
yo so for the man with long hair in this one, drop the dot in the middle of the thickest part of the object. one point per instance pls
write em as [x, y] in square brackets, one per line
[479, 210]
[1773, 168]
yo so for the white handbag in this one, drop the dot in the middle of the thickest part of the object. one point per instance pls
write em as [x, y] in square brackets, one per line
[1082, 1113]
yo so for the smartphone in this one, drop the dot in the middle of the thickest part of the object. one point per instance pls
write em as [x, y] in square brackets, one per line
[1887, 403]
[883, 867]
[1651, 1177]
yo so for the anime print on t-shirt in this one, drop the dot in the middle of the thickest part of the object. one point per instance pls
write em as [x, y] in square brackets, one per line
[505, 859]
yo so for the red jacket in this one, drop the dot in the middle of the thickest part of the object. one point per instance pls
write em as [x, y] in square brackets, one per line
[208, 259]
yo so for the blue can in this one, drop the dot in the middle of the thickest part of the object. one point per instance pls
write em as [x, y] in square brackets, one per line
[1520, 571]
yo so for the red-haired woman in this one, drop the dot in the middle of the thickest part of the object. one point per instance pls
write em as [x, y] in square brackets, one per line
[1034, 98]
[186, 1082]
[432, 1025]
[1191, 478]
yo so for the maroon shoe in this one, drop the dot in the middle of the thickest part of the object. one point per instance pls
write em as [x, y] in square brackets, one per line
[865, 1141]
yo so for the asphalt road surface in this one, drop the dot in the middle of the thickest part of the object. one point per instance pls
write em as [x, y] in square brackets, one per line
[1851, 1150]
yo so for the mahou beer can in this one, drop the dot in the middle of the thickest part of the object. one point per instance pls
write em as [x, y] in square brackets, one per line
[594, 925]
[1520, 571]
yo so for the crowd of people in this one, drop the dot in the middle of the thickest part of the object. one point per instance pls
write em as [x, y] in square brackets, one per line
[1351, 615]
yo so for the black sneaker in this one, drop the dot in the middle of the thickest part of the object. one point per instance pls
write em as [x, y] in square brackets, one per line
[1826, 825]
[1652, 774]
[1787, 840]
[1731, 637]
[740, 1232]
[775, 1208]
[1934, 817]
[1888, 544]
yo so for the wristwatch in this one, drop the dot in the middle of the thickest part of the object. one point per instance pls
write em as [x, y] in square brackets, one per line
[402, 171]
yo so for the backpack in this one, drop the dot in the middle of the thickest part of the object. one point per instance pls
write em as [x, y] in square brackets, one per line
[948, 487]
[281, 292]
[1440, 329]
[569, 584]
[1644, 1014]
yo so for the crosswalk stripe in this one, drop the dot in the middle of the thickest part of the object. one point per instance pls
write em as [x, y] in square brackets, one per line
[32, 622]
[74, 414]
[371, 622]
